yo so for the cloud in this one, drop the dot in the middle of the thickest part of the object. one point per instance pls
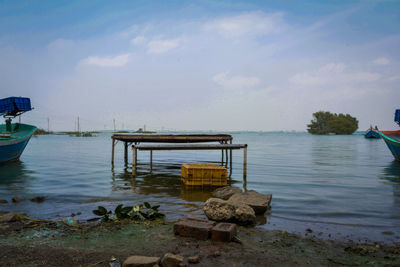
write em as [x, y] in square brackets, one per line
[256, 23]
[333, 74]
[381, 61]
[235, 82]
[115, 61]
[138, 40]
[161, 46]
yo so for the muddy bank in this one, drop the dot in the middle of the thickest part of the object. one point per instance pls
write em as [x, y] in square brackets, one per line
[43, 243]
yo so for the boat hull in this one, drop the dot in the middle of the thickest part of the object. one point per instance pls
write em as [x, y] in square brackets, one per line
[372, 134]
[392, 140]
[12, 148]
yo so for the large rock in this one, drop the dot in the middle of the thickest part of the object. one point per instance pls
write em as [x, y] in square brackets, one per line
[260, 203]
[226, 192]
[12, 217]
[221, 210]
[171, 260]
[141, 261]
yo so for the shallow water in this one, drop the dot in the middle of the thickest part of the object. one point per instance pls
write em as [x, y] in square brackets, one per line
[342, 187]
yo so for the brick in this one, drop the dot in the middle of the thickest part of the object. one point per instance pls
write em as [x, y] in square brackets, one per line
[191, 227]
[223, 232]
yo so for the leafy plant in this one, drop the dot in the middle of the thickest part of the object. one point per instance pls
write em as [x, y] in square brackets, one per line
[139, 212]
[122, 212]
[103, 212]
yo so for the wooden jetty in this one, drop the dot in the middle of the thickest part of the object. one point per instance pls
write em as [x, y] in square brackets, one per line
[181, 142]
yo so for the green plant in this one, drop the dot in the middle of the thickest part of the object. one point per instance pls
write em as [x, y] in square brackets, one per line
[139, 212]
[103, 212]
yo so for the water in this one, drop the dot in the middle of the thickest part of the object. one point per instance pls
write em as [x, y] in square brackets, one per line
[342, 187]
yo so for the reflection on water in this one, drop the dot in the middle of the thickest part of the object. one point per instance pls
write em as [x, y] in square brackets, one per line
[15, 178]
[392, 174]
[164, 179]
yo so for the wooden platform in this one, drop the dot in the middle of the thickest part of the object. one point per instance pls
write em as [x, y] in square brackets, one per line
[129, 139]
[172, 138]
[180, 142]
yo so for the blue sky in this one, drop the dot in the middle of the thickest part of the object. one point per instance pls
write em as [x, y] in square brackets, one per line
[201, 65]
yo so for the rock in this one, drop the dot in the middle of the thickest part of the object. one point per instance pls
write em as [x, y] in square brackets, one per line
[141, 261]
[38, 199]
[223, 232]
[260, 203]
[226, 192]
[11, 217]
[16, 199]
[221, 210]
[244, 214]
[194, 259]
[171, 260]
[191, 227]
[3, 201]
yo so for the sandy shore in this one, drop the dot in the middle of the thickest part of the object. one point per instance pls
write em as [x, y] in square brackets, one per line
[29, 242]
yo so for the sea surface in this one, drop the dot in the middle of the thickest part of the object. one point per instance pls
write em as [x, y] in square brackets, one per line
[339, 187]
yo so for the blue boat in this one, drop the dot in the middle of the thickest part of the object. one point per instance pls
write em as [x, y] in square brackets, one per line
[372, 133]
[392, 138]
[14, 136]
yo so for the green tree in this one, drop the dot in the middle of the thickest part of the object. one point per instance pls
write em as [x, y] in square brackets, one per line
[325, 122]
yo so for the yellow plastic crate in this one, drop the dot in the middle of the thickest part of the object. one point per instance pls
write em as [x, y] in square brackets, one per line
[203, 175]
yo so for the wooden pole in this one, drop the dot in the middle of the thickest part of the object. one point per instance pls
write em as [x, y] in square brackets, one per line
[151, 160]
[112, 151]
[226, 156]
[230, 161]
[245, 168]
[126, 152]
[134, 160]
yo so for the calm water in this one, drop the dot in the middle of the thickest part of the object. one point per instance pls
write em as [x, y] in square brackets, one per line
[345, 186]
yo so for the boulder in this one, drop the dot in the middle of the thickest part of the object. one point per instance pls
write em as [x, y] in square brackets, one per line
[244, 214]
[171, 260]
[226, 192]
[141, 261]
[260, 203]
[11, 217]
[221, 210]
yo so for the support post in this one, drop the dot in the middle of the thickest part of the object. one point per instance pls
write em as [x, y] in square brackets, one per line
[222, 156]
[226, 156]
[151, 160]
[230, 161]
[134, 160]
[112, 151]
[126, 152]
[245, 167]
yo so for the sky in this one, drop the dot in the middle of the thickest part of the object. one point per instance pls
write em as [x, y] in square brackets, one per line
[201, 65]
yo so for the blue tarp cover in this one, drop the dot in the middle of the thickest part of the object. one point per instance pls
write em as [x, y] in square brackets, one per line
[397, 116]
[14, 105]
